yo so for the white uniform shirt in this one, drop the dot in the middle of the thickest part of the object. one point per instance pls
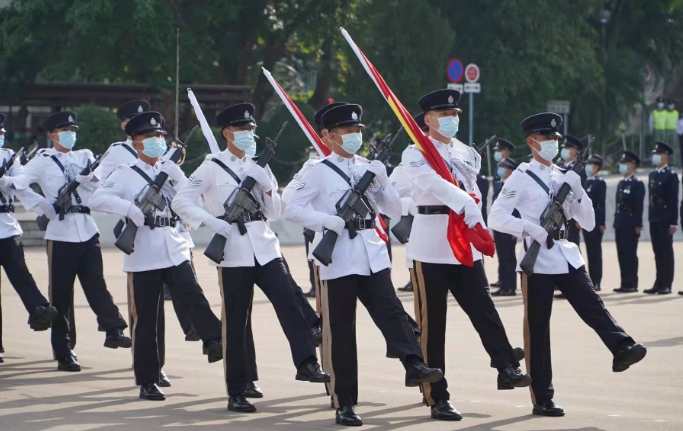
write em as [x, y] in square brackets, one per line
[289, 190]
[428, 238]
[9, 226]
[403, 186]
[158, 248]
[43, 170]
[321, 187]
[217, 185]
[523, 193]
[119, 153]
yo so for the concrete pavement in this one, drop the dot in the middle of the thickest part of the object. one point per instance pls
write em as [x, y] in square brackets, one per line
[649, 396]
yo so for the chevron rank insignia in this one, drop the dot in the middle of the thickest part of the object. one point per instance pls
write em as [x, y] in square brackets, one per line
[194, 181]
[418, 163]
[509, 193]
[106, 183]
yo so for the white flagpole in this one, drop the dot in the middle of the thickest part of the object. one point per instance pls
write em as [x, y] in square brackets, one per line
[206, 130]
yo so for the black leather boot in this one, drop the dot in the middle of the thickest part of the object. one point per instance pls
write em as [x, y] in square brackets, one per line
[548, 408]
[511, 377]
[164, 381]
[214, 350]
[116, 339]
[151, 392]
[240, 404]
[252, 391]
[444, 411]
[42, 317]
[418, 372]
[627, 356]
[347, 416]
[310, 371]
[68, 363]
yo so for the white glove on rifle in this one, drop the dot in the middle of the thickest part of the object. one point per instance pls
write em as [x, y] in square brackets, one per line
[380, 170]
[473, 215]
[85, 179]
[335, 224]
[172, 170]
[260, 175]
[219, 226]
[574, 181]
[536, 232]
[47, 209]
[412, 208]
[135, 215]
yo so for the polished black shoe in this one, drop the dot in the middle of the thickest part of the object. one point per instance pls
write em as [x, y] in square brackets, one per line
[42, 317]
[240, 404]
[496, 284]
[252, 391]
[310, 371]
[627, 356]
[511, 377]
[164, 381]
[444, 411]
[507, 292]
[407, 288]
[597, 287]
[310, 293]
[680, 292]
[418, 372]
[316, 335]
[116, 339]
[517, 353]
[548, 408]
[192, 335]
[68, 363]
[2, 359]
[626, 289]
[347, 416]
[652, 291]
[214, 350]
[151, 392]
[664, 291]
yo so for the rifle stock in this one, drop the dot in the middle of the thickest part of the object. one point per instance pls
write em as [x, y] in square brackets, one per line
[401, 230]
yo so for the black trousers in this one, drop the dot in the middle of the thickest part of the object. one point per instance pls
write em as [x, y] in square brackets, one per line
[507, 260]
[627, 252]
[663, 246]
[146, 289]
[312, 318]
[469, 287]
[593, 241]
[237, 288]
[574, 233]
[66, 261]
[537, 292]
[338, 301]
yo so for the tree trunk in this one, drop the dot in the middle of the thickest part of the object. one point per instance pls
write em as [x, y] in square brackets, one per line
[323, 84]
[263, 91]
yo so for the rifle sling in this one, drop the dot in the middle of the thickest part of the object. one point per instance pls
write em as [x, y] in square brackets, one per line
[539, 181]
[61, 168]
[130, 150]
[228, 170]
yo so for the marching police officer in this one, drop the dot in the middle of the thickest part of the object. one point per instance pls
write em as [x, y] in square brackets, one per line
[596, 188]
[628, 221]
[437, 270]
[73, 245]
[529, 190]
[502, 150]
[663, 217]
[40, 313]
[505, 243]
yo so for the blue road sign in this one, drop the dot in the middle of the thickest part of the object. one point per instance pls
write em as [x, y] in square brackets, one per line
[455, 70]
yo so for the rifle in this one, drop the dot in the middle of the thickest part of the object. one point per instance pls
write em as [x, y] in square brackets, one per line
[7, 164]
[552, 218]
[486, 143]
[241, 202]
[151, 201]
[353, 202]
[63, 202]
[26, 157]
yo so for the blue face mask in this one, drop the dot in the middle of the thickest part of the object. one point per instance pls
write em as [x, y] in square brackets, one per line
[500, 172]
[244, 140]
[564, 153]
[623, 168]
[656, 159]
[2, 141]
[498, 156]
[448, 126]
[351, 142]
[671, 107]
[154, 147]
[67, 139]
[589, 170]
[660, 105]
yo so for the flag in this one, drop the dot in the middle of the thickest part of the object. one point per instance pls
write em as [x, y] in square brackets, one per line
[458, 234]
[206, 130]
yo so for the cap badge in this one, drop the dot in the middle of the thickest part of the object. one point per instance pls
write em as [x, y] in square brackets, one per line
[153, 122]
[247, 115]
[450, 99]
[354, 116]
[553, 123]
[140, 110]
[71, 119]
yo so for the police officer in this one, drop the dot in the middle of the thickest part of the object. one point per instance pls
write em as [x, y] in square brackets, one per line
[529, 190]
[40, 313]
[73, 245]
[437, 270]
[628, 221]
[663, 217]
[505, 243]
[360, 267]
[658, 121]
[502, 150]
[670, 122]
[596, 188]
[161, 255]
[571, 148]
[253, 258]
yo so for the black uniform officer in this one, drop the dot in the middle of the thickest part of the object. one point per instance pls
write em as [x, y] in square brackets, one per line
[570, 149]
[502, 150]
[628, 222]
[663, 216]
[505, 243]
[597, 191]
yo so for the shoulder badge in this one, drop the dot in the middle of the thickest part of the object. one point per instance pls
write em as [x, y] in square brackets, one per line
[194, 182]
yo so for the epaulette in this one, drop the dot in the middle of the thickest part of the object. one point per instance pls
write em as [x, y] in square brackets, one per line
[209, 157]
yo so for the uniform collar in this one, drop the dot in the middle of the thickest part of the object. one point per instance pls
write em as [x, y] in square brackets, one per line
[228, 157]
[146, 167]
[538, 166]
[662, 168]
[630, 177]
[342, 161]
[438, 144]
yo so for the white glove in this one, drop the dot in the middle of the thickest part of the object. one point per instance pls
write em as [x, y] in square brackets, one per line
[47, 209]
[536, 232]
[574, 181]
[172, 170]
[84, 179]
[135, 215]
[380, 170]
[334, 223]
[412, 208]
[261, 176]
[219, 226]
[473, 215]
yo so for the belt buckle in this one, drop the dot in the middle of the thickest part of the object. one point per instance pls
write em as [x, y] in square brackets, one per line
[246, 217]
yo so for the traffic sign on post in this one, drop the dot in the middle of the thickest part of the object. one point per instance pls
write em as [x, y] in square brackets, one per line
[472, 87]
[457, 87]
[455, 70]
[472, 73]
[558, 106]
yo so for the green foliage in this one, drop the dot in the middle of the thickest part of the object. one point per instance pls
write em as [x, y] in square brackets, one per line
[98, 129]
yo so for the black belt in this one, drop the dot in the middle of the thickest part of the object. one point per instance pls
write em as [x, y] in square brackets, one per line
[6, 208]
[362, 224]
[433, 209]
[77, 209]
[162, 222]
[246, 217]
[560, 235]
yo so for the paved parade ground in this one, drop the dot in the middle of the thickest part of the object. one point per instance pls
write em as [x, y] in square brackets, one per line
[647, 397]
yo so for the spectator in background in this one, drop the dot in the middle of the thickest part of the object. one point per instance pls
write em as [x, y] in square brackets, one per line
[670, 123]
